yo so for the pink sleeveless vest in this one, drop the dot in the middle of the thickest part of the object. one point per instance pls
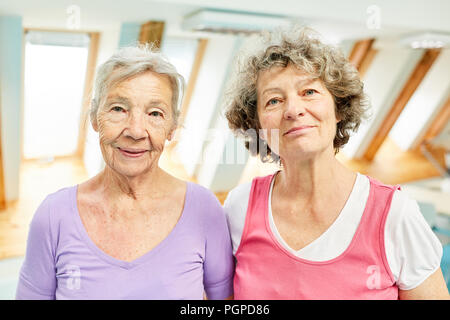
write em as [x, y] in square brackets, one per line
[265, 270]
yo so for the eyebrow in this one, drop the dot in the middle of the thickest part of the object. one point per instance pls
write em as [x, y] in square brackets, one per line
[126, 101]
[299, 83]
[306, 81]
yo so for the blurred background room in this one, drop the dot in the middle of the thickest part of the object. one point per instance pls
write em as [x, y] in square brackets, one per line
[49, 51]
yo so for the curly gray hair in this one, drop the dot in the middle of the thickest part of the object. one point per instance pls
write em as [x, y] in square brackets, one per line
[302, 48]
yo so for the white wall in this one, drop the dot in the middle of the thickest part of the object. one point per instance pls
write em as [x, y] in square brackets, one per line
[385, 78]
[424, 104]
[205, 100]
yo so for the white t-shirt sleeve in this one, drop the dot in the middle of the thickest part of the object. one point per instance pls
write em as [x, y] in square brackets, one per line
[235, 206]
[412, 249]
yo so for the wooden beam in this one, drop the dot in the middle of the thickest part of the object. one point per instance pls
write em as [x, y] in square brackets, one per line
[395, 166]
[438, 124]
[152, 32]
[361, 51]
[406, 93]
[366, 62]
[87, 93]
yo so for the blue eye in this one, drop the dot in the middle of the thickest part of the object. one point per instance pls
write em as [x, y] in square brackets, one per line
[273, 102]
[309, 92]
[117, 109]
[155, 114]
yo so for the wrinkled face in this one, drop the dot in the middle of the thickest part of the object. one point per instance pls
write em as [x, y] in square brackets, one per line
[134, 122]
[300, 107]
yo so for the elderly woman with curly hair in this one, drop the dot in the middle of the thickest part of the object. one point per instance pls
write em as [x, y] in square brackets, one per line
[315, 229]
[133, 231]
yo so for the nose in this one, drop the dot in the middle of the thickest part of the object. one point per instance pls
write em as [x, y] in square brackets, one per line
[136, 128]
[293, 108]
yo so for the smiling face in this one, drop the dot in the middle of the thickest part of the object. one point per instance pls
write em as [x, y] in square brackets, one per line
[134, 122]
[299, 108]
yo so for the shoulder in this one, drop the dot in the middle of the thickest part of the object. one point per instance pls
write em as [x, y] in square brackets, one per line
[235, 207]
[379, 184]
[59, 200]
[51, 210]
[63, 196]
[238, 197]
[403, 209]
[203, 201]
[202, 194]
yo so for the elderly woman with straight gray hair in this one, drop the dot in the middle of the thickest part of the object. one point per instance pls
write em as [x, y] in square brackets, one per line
[133, 231]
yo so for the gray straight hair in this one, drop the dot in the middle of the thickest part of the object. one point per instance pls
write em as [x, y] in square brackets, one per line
[128, 62]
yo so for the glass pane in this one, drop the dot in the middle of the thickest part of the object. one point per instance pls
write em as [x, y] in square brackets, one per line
[54, 83]
[181, 53]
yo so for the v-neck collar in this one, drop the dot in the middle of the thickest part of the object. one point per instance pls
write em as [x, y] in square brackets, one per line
[146, 256]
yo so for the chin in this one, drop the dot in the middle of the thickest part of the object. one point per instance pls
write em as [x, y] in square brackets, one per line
[130, 171]
[303, 151]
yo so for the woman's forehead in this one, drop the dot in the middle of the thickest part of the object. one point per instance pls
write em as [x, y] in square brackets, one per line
[276, 74]
[147, 79]
[145, 86]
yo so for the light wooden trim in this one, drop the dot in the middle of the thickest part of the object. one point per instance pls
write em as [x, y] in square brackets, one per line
[152, 32]
[2, 177]
[408, 90]
[87, 93]
[360, 51]
[367, 61]
[438, 124]
[201, 48]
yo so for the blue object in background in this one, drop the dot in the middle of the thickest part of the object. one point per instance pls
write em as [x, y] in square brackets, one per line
[445, 265]
[430, 214]
[9, 277]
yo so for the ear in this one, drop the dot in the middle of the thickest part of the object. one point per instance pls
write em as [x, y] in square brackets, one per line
[171, 134]
[94, 123]
[262, 134]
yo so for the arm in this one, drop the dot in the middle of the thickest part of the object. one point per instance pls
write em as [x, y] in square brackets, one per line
[413, 252]
[228, 298]
[218, 261]
[37, 279]
[432, 288]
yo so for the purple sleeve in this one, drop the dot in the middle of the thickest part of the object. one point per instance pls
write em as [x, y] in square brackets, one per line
[218, 264]
[37, 280]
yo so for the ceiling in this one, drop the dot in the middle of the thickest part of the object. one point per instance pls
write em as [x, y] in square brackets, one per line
[337, 19]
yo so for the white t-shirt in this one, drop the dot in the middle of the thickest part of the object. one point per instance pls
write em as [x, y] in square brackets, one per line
[412, 249]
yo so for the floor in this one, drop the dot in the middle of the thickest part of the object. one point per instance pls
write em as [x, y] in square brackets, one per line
[37, 180]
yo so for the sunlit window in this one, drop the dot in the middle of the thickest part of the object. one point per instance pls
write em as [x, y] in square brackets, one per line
[55, 68]
[181, 53]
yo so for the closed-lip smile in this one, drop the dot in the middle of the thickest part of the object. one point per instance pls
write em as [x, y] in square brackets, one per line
[297, 129]
[131, 152]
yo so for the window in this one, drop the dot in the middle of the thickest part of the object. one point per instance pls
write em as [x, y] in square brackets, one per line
[55, 69]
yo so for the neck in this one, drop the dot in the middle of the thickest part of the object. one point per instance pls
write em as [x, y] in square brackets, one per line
[316, 177]
[123, 188]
